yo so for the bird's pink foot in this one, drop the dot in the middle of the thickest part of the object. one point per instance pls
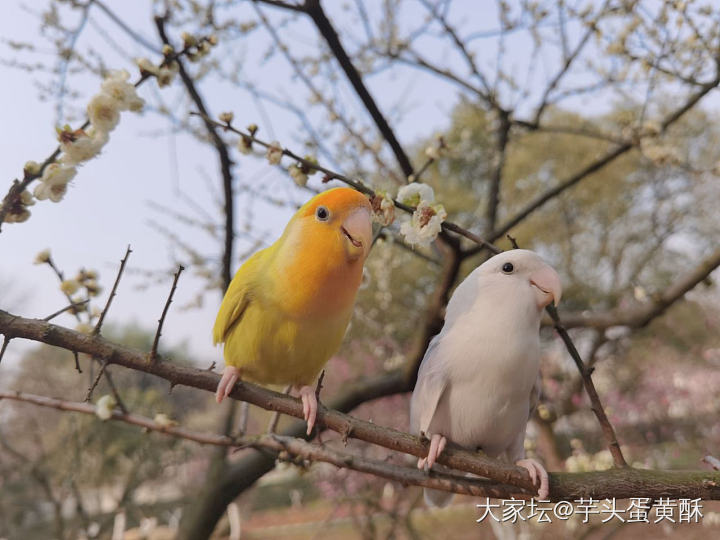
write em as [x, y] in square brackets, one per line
[230, 376]
[538, 475]
[437, 445]
[310, 406]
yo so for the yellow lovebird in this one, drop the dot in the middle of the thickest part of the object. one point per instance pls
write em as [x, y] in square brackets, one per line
[287, 308]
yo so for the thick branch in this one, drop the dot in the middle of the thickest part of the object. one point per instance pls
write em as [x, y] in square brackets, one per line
[38, 330]
[355, 184]
[616, 483]
[493, 202]
[223, 154]
[642, 315]
[296, 447]
[326, 29]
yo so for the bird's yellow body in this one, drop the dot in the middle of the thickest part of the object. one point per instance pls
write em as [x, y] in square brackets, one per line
[286, 310]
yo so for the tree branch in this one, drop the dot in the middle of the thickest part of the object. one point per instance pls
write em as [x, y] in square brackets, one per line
[113, 292]
[615, 483]
[642, 315]
[297, 448]
[223, 153]
[356, 184]
[314, 10]
[161, 320]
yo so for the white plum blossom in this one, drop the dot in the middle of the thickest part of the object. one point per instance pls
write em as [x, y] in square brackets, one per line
[85, 147]
[297, 174]
[166, 74]
[415, 193]
[163, 420]
[19, 215]
[116, 86]
[57, 173]
[69, 286]
[53, 183]
[54, 192]
[383, 208]
[103, 112]
[32, 167]
[274, 153]
[84, 328]
[104, 407]
[42, 257]
[244, 145]
[26, 198]
[146, 66]
[424, 225]
[426, 221]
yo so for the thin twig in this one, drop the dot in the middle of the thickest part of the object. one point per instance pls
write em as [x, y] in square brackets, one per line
[77, 362]
[66, 308]
[316, 12]
[98, 325]
[354, 183]
[18, 186]
[6, 342]
[161, 320]
[596, 405]
[294, 446]
[95, 382]
[223, 156]
[275, 418]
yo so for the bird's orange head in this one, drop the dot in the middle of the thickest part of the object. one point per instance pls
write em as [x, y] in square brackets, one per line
[337, 222]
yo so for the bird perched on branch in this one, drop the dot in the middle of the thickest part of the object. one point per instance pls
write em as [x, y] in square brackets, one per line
[478, 381]
[287, 308]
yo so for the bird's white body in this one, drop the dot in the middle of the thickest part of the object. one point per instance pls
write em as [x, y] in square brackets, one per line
[478, 381]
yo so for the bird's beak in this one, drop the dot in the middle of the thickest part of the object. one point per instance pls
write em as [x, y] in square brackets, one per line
[547, 281]
[357, 232]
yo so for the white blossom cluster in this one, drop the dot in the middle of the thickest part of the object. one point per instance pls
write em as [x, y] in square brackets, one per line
[104, 407]
[79, 290]
[163, 73]
[80, 145]
[299, 172]
[582, 461]
[116, 95]
[426, 221]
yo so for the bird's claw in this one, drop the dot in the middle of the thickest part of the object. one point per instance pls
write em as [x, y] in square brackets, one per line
[310, 406]
[537, 474]
[230, 376]
[437, 445]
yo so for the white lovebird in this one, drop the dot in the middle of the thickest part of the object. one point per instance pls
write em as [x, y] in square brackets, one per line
[478, 382]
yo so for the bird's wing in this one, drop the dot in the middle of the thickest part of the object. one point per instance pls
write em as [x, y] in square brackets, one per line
[433, 376]
[431, 383]
[516, 450]
[237, 298]
[534, 397]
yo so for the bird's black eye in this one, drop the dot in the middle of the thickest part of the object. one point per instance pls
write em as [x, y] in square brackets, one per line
[322, 213]
[508, 268]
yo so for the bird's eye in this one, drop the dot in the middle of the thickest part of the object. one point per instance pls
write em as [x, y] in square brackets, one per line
[508, 268]
[322, 213]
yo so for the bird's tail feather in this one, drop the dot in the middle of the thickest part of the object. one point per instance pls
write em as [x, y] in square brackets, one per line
[434, 497]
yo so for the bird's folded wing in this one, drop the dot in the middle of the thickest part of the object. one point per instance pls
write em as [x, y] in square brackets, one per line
[237, 298]
[431, 383]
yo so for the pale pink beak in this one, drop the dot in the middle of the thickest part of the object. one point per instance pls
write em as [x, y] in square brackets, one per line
[357, 229]
[547, 281]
